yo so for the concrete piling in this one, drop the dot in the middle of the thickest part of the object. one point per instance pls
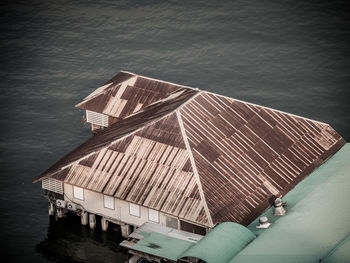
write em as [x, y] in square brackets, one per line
[104, 224]
[59, 212]
[92, 221]
[51, 209]
[84, 218]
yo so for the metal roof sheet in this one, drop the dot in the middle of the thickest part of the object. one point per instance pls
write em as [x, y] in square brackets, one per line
[200, 156]
[246, 154]
[221, 244]
[316, 227]
[127, 93]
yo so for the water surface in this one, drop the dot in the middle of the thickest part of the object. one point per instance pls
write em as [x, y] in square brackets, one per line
[289, 55]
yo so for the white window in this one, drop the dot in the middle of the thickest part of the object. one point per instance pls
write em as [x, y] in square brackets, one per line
[108, 201]
[134, 210]
[78, 192]
[153, 215]
[97, 118]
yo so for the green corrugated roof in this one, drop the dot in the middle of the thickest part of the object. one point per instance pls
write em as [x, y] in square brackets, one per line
[317, 224]
[341, 253]
[221, 244]
[162, 245]
[218, 246]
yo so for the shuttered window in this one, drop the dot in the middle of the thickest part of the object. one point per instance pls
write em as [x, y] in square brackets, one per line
[78, 193]
[153, 215]
[97, 118]
[108, 201]
[134, 210]
[52, 185]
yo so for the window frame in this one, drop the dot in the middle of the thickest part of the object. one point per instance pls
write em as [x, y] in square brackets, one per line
[139, 210]
[111, 198]
[149, 217]
[77, 188]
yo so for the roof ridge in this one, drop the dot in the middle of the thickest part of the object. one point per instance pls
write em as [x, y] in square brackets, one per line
[159, 80]
[194, 168]
[106, 87]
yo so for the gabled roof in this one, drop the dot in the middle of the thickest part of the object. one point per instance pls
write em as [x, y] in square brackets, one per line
[127, 93]
[200, 156]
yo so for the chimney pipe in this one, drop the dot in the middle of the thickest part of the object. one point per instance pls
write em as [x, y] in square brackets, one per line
[263, 222]
[279, 210]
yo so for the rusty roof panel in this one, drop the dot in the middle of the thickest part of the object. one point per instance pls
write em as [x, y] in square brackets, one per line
[127, 93]
[120, 77]
[149, 166]
[246, 154]
[125, 127]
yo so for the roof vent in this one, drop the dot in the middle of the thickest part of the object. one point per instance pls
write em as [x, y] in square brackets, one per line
[264, 223]
[279, 210]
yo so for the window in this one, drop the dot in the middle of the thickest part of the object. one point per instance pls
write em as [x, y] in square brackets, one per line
[153, 215]
[78, 192]
[134, 210]
[108, 201]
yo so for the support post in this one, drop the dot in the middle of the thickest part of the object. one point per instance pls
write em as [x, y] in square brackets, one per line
[104, 224]
[92, 221]
[125, 230]
[84, 218]
[51, 209]
[59, 212]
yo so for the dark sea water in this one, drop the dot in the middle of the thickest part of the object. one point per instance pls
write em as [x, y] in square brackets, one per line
[289, 55]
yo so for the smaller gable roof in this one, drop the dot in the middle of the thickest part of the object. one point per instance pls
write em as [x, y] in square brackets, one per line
[127, 93]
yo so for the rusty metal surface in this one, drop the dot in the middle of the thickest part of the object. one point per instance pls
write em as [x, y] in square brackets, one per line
[150, 166]
[127, 93]
[246, 154]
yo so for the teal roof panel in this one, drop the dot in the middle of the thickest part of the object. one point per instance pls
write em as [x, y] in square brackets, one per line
[162, 246]
[316, 223]
[221, 244]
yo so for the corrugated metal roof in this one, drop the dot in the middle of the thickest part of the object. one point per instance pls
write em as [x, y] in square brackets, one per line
[200, 156]
[246, 154]
[149, 167]
[127, 93]
[316, 227]
[221, 244]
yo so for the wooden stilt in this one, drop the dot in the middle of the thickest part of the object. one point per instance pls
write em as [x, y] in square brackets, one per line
[104, 224]
[84, 218]
[92, 221]
[125, 230]
[59, 212]
[51, 209]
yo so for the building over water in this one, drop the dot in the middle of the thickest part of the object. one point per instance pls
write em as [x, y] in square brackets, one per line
[182, 157]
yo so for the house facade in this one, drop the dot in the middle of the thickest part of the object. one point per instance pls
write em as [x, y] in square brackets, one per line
[184, 158]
